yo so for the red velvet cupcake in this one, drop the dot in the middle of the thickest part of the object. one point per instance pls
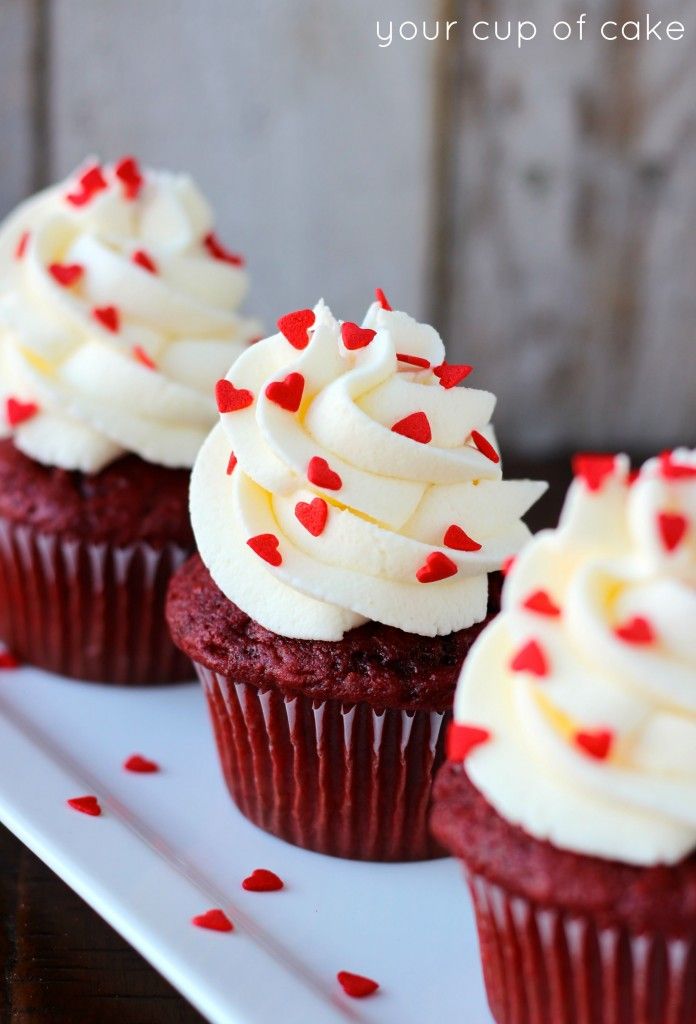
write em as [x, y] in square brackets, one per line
[117, 314]
[570, 796]
[348, 511]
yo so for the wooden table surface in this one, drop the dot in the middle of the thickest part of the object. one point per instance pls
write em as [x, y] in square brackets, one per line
[63, 964]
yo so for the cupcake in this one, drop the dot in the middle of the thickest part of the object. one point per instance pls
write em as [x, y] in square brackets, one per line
[570, 790]
[348, 511]
[117, 315]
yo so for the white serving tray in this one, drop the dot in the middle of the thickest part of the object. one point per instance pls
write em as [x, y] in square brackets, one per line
[172, 845]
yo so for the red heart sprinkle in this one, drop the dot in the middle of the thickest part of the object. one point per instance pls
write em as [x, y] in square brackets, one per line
[8, 660]
[461, 740]
[108, 317]
[90, 182]
[595, 742]
[262, 880]
[266, 546]
[86, 805]
[312, 515]
[144, 260]
[295, 327]
[636, 631]
[140, 765]
[142, 356]
[231, 399]
[456, 538]
[541, 603]
[231, 464]
[419, 361]
[672, 527]
[436, 567]
[593, 468]
[22, 244]
[355, 337]
[383, 300]
[66, 274]
[220, 252]
[671, 470]
[213, 921]
[507, 564]
[18, 411]
[287, 393]
[355, 985]
[320, 473]
[128, 173]
[530, 658]
[484, 446]
[451, 375]
[416, 427]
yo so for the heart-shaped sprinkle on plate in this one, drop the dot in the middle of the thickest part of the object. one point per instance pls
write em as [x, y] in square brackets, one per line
[140, 765]
[262, 880]
[355, 985]
[85, 805]
[213, 921]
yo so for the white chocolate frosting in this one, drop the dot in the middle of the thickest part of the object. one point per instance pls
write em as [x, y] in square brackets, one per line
[118, 312]
[584, 688]
[347, 483]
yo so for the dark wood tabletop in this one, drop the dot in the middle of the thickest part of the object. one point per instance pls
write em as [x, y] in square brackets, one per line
[62, 964]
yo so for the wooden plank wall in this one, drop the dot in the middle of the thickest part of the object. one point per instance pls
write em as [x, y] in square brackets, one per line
[539, 205]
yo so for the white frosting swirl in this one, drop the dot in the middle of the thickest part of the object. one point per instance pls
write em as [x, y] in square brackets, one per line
[593, 745]
[137, 377]
[367, 540]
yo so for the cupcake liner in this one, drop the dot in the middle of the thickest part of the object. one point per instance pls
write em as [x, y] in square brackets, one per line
[545, 966]
[86, 610]
[341, 779]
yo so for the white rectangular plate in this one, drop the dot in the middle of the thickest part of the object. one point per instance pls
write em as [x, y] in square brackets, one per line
[172, 845]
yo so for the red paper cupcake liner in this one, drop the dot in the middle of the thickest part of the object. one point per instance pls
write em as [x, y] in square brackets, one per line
[89, 611]
[341, 779]
[545, 966]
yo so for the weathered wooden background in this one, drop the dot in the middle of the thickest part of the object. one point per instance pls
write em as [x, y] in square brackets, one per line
[538, 204]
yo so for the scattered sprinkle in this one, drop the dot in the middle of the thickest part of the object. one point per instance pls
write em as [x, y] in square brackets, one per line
[231, 399]
[90, 182]
[127, 170]
[287, 393]
[320, 473]
[295, 327]
[418, 361]
[144, 260]
[140, 765]
[458, 539]
[108, 317]
[18, 411]
[595, 742]
[383, 300]
[636, 631]
[86, 805]
[416, 427]
[541, 603]
[461, 740]
[451, 375]
[213, 921]
[232, 462]
[355, 985]
[672, 470]
[530, 658]
[143, 357]
[262, 880]
[21, 246]
[436, 567]
[220, 252]
[507, 564]
[66, 274]
[593, 468]
[355, 337]
[312, 515]
[672, 527]
[266, 546]
[8, 660]
[484, 446]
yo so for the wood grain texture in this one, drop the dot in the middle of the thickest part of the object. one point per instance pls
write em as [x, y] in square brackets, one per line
[313, 143]
[62, 964]
[18, 37]
[572, 245]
